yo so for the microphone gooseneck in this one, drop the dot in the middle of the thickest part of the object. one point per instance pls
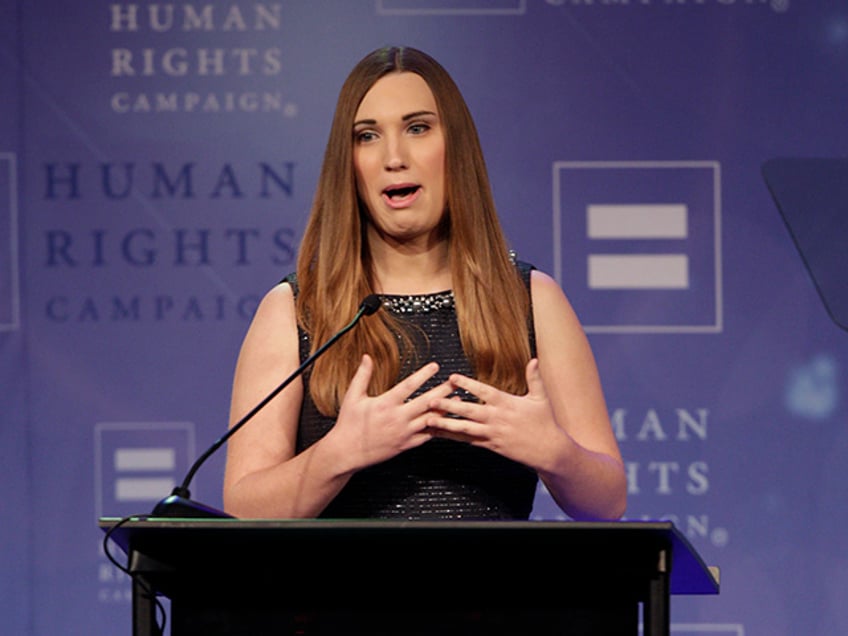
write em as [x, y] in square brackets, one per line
[179, 503]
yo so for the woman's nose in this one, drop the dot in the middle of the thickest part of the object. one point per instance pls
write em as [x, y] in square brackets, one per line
[395, 158]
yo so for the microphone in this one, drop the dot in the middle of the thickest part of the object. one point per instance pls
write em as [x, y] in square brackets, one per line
[179, 504]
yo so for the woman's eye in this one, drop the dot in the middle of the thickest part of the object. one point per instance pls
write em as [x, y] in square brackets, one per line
[364, 136]
[418, 129]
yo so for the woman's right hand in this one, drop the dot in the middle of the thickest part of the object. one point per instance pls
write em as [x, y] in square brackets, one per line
[375, 429]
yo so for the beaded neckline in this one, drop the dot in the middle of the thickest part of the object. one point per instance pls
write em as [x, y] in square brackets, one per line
[417, 304]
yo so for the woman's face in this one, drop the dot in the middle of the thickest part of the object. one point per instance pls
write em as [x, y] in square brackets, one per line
[399, 158]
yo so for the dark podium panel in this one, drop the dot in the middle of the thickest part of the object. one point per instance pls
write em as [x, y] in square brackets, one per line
[227, 576]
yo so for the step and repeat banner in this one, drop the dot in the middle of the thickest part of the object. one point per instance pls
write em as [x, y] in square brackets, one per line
[157, 163]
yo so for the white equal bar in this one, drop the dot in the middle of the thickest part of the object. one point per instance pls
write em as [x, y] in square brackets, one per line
[638, 271]
[145, 459]
[143, 489]
[637, 221]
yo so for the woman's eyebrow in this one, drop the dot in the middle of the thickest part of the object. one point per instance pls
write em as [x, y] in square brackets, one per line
[407, 117]
[418, 113]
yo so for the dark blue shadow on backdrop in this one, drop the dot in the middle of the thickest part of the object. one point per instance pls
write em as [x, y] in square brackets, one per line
[812, 197]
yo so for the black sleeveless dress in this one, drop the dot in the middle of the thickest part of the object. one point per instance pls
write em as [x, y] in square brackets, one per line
[441, 479]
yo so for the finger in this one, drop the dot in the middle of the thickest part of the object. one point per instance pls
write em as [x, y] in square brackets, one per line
[418, 408]
[412, 382]
[440, 391]
[454, 428]
[362, 377]
[457, 407]
[480, 390]
[535, 384]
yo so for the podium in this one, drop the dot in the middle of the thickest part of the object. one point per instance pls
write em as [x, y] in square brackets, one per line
[311, 577]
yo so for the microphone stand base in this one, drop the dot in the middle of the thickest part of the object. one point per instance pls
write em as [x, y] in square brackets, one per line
[176, 507]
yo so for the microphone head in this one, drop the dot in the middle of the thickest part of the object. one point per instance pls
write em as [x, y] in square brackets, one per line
[370, 304]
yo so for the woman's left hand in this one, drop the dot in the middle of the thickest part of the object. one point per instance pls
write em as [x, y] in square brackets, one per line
[522, 428]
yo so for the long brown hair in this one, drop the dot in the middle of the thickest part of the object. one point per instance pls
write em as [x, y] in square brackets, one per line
[334, 265]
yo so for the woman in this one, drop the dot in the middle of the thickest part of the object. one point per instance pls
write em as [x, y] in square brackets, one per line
[474, 380]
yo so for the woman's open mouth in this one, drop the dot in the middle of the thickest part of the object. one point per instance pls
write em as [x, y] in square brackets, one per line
[401, 195]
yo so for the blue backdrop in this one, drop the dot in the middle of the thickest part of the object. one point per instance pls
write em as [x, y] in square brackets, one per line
[157, 162]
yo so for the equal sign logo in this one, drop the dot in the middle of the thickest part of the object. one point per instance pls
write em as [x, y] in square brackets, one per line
[632, 222]
[138, 464]
[144, 474]
[637, 245]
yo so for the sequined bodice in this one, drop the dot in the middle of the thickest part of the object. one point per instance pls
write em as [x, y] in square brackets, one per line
[441, 479]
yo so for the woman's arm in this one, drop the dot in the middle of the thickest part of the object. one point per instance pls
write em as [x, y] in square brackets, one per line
[264, 478]
[584, 471]
[560, 427]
